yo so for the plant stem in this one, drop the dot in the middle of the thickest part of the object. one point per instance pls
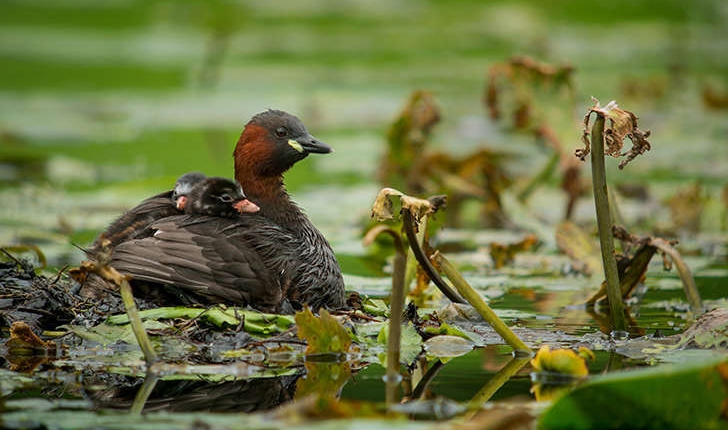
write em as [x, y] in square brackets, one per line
[604, 224]
[408, 223]
[497, 381]
[110, 274]
[691, 290]
[392, 377]
[136, 322]
[141, 397]
[476, 300]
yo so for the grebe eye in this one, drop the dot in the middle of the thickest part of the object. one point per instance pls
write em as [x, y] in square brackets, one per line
[281, 132]
[225, 198]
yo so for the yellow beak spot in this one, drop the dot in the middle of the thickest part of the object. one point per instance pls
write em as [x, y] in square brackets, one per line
[295, 145]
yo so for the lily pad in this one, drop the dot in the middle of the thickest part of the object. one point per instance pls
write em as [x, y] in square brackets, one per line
[447, 346]
[671, 396]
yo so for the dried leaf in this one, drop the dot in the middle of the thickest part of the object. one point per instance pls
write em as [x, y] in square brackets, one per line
[23, 340]
[525, 78]
[382, 209]
[622, 124]
[407, 139]
[503, 254]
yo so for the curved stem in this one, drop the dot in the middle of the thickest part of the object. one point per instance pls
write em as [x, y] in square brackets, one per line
[426, 379]
[691, 290]
[477, 302]
[497, 381]
[409, 229]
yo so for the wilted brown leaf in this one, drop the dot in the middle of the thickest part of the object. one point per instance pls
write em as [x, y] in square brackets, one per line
[622, 124]
[382, 209]
[22, 339]
[503, 254]
[25, 350]
[523, 77]
[407, 139]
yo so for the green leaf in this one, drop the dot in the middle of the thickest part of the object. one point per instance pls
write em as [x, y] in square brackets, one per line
[324, 334]
[410, 344]
[670, 396]
[253, 321]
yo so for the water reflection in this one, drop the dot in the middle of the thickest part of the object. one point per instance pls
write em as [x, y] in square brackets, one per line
[242, 395]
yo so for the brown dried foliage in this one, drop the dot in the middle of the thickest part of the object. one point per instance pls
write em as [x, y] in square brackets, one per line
[622, 124]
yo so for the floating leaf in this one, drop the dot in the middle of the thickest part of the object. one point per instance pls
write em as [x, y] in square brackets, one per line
[448, 346]
[23, 340]
[254, 322]
[324, 333]
[410, 344]
[105, 334]
[690, 395]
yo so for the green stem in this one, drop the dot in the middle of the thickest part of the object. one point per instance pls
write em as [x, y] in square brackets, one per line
[497, 381]
[396, 306]
[140, 399]
[604, 224]
[136, 323]
[408, 223]
[477, 302]
[419, 390]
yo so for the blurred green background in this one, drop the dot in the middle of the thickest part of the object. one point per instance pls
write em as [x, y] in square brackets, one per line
[105, 103]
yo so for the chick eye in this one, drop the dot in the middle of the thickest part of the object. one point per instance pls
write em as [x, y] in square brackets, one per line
[225, 198]
[281, 132]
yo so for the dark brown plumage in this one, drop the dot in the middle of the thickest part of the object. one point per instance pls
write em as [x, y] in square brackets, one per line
[255, 259]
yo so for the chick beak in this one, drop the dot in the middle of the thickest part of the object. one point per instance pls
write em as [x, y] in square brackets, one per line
[245, 206]
[181, 202]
